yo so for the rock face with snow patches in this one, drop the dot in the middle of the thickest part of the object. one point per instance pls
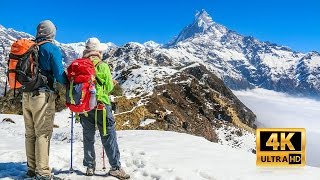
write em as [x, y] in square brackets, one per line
[181, 96]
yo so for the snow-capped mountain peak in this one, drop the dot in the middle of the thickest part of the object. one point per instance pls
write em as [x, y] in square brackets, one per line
[202, 24]
[151, 44]
[203, 19]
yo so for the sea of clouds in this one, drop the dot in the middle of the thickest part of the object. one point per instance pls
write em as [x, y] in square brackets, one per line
[274, 109]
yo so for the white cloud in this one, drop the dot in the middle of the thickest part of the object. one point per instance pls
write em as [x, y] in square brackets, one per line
[275, 109]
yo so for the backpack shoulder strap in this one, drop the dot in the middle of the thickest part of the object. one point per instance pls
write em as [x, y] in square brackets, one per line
[43, 42]
[96, 64]
[50, 81]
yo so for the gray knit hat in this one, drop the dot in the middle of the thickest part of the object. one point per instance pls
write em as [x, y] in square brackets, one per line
[46, 29]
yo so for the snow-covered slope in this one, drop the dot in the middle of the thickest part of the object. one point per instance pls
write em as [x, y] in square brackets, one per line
[174, 156]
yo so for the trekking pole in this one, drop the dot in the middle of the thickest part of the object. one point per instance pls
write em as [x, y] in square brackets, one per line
[104, 160]
[5, 87]
[71, 168]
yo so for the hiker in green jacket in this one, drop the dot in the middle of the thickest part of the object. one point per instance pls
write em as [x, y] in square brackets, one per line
[101, 115]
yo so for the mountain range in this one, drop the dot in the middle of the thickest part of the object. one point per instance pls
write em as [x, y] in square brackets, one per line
[184, 85]
[245, 62]
[240, 61]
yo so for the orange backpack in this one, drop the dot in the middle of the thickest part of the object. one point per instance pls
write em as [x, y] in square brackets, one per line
[23, 66]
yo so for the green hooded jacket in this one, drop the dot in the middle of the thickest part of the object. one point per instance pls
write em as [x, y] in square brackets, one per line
[104, 80]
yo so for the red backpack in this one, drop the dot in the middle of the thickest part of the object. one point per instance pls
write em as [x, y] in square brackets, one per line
[81, 92]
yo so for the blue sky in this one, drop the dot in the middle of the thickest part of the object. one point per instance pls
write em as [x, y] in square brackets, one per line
[287, 22]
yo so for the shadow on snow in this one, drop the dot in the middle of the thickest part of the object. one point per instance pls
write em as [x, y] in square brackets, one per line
[13, 170]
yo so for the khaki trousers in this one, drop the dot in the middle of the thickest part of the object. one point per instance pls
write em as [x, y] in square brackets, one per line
[38, 113]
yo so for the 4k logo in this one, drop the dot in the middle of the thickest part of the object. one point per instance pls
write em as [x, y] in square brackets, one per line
[281, 147]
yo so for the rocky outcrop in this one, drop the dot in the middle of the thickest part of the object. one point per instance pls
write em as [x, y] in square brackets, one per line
[12, 103]
[192, 101]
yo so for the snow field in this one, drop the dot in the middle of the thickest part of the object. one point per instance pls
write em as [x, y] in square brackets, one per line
[146, 155]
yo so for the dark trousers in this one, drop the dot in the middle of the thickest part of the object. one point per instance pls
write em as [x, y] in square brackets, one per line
[109, 141]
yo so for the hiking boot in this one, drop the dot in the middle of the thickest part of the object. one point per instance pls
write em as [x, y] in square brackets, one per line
[30, 174]
[55, 178]
[90, 171]
[39, 177]
[118, 173]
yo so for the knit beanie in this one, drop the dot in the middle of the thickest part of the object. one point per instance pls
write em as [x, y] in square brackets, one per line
[47, 30]
[94, 48]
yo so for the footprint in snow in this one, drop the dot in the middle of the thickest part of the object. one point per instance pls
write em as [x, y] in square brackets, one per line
[205, 175]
